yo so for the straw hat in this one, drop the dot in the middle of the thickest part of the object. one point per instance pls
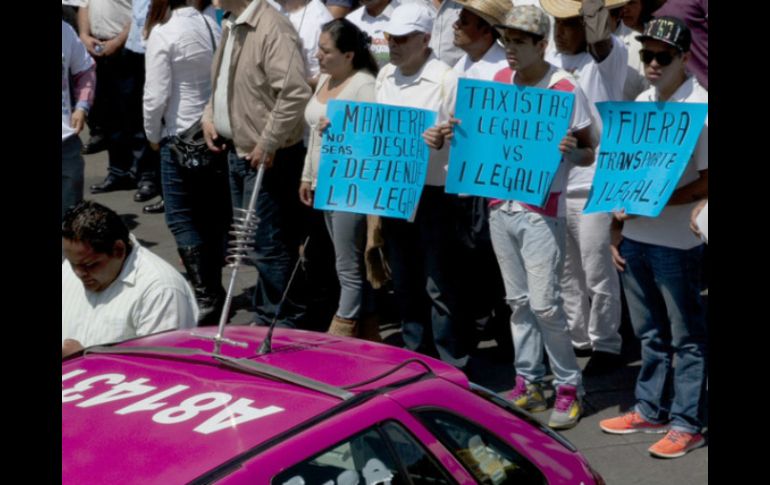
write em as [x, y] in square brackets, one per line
[564, 9]
[492, 11]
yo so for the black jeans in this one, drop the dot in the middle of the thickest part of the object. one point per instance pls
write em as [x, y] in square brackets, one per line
[118, 105]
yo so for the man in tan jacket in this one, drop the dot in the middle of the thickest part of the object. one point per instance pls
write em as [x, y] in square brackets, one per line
[256, 112]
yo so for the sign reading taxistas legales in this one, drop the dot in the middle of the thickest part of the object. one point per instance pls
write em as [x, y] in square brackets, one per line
[507, 143]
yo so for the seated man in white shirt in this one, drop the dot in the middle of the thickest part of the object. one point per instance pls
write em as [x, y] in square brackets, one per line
[112, 288]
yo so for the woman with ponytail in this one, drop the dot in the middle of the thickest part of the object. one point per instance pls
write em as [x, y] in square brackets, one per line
[348, 72]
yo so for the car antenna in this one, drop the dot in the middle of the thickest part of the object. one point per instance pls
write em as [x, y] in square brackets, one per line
[245, 222]
[244, 228]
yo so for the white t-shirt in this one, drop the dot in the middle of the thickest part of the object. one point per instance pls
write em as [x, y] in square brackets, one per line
[221, 106]
[486, 67]
[177, 82]
[148, 296]
[373, 26]
[74, 59]
[672, 227]
[442, 37]
[108, 18]
[309, 29]
[433, 87]
[602, 81]
[635, 80]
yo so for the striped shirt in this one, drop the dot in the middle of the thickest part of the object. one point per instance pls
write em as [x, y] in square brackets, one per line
[148, 296]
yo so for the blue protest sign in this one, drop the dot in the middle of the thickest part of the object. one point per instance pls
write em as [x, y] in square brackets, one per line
[644, 151]
[373, 159]
[507, 145]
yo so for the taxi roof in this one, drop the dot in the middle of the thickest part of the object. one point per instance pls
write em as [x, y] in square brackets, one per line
[155, 415]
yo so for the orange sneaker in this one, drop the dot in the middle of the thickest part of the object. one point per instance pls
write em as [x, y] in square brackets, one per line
[632, 422]
[676, 444]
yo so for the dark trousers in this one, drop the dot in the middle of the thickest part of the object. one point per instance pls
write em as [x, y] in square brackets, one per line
[282, 228]
[118, 108]
[422, 257]
[198, 209]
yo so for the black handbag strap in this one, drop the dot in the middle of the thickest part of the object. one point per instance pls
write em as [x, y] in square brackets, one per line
[211, 33]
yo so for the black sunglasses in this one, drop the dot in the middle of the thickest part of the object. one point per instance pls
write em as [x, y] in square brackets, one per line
[664, 58]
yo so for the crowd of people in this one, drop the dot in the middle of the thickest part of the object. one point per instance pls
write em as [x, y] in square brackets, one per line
[190, 99]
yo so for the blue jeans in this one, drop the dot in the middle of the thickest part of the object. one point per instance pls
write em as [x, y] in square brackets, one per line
[282, 226]
[71, 173]
[421, 256]
[664, 302]
[530, 251]
[198, 208]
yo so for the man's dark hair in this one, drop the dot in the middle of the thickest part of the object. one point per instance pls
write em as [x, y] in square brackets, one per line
[98, 226]
[480, 23]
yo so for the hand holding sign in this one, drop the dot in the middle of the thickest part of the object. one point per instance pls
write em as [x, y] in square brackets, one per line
[448, 128]
[568, 144]
[434, 137]
[323, 123]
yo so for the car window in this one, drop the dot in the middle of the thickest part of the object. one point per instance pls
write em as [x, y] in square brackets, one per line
[419, 465]
[367, 459]
[488, 458]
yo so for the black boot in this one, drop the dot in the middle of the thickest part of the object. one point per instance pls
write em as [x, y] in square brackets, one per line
[209, 293]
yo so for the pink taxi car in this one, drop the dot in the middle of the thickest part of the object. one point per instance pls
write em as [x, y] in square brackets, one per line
[317, 409]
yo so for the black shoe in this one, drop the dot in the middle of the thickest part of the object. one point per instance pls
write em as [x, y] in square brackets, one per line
[583, 352]
[602, 363]
[112, 183]
[95, 144]
[147, 191]
[156, 208]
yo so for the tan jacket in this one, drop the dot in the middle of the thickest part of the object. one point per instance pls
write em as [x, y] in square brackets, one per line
[266, 55]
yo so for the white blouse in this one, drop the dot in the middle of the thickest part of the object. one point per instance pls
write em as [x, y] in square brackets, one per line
[177, 82]
[359, 88]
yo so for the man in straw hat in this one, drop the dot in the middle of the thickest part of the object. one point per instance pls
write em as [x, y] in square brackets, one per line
[660, 262]
[599, 61]
[481, 280]
[474, 33]
[529, 241]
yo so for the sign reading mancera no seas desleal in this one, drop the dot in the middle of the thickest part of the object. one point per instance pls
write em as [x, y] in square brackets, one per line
[643, 153]
[507, 144]
[373, 159]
